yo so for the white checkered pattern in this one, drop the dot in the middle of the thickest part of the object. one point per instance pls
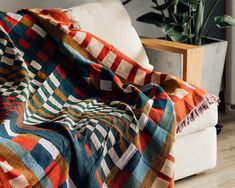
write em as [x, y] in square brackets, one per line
[39, 30]
[95, 46]
[109, 59]
[124, 69]
[14, 16]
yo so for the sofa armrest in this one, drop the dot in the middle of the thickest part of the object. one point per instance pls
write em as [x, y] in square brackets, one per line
[193, 56]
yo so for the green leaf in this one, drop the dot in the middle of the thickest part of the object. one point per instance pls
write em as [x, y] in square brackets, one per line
[224, 21]
[181, 19]
[199, 20]
[180, 37]
[152, 18]
[172, 29]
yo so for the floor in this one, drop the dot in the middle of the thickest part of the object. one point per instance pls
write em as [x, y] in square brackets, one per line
[223, 176]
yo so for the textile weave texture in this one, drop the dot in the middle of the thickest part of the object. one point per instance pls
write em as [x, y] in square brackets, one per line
[76, 112]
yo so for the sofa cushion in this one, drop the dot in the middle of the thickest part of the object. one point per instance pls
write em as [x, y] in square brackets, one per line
[110, 21]
[209, 118]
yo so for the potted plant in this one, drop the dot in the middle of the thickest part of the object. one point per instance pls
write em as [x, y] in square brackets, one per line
[185, 21]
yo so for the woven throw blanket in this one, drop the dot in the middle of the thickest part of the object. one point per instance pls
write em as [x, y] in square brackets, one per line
[71, 115]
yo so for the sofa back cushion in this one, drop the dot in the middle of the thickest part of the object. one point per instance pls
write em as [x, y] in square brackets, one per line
[109, 20]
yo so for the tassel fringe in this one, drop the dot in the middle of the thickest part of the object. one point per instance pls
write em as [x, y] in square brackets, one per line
[198, 111]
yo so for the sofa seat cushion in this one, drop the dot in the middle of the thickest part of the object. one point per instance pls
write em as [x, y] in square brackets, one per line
[209, 118]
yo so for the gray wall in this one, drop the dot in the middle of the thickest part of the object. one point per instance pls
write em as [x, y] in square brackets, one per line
[13, 5]
[135, 8]
[220, 10]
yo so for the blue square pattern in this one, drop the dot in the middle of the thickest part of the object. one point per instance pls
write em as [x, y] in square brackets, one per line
[141, 170]
[42, 156]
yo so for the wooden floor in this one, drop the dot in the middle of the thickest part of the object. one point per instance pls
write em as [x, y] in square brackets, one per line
[223, 176]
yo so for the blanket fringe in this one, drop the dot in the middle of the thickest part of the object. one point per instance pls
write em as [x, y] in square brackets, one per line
[198, 111]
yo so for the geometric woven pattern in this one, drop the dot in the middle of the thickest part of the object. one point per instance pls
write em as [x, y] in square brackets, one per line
[66, 117]
[186, 97]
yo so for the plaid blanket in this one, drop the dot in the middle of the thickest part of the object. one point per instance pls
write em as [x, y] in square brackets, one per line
[71, 115]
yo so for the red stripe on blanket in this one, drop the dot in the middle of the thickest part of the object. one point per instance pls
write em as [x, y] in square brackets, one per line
[118, 81]
[97, 174]
[153, 93]
[31, 33]
[132, 74]
[95, 75]
[3, 180]
[116, 63]
[148, 78]
[11, 20]
[171, 158]
[42, 56]
[12, 174]
[156, 115]
[57, 15]
[88, 149]
[72, 33]
[161, 96]
[55, 174]
[61, 72]
[77, 136]
[121, 180]
[103, 53]
[24, 43]
[79, 92]
[26, 142]
[164, 177]
[87, 40]
[144, 140]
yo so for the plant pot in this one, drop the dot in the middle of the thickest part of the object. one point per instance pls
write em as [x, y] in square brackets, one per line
[206, 67]
[213, 67]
